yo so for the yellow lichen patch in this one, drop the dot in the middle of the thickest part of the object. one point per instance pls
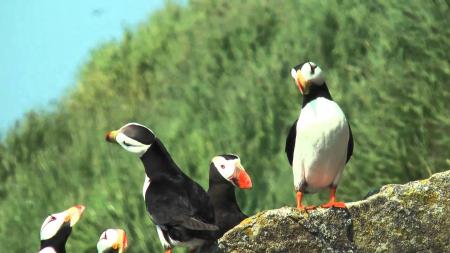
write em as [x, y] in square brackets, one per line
[249, 231]
[388, 189]
[246, 221]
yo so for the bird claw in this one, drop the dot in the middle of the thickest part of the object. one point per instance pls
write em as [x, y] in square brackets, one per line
[334, 204]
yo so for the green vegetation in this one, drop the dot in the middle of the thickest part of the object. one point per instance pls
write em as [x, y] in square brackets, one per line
[214, 77]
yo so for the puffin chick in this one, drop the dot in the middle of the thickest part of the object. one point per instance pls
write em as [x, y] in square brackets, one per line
[112, 241]
[178, 206]
[320, 141]
[56, 229]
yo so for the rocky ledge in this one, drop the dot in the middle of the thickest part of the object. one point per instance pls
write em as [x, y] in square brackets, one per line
[414, 217]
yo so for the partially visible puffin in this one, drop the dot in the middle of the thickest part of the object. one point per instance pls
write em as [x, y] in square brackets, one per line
[178, 206]
[320, 141]
[56, 229]
[112, 241]
[225, 173]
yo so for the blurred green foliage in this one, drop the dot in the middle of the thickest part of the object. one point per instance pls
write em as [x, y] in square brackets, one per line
[213, 77]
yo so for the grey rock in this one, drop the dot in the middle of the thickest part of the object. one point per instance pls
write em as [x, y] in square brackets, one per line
[414, 217]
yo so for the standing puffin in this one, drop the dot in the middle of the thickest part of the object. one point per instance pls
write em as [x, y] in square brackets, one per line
[178, 206]
[56, 229]
[112, 241]
[226, 173]
[320, 142]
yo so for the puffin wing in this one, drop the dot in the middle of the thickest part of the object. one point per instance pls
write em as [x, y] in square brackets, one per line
[290, 142]
[174, 206]
[350, 144]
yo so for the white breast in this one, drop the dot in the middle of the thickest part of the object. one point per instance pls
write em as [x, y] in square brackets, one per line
[47, 250]
[321, 145]
[145, 186]
[169, 243]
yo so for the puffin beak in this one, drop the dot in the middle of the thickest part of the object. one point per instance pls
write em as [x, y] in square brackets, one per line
[111, 136]
[242, 180]
[301, 83]
[122, 243]
[74, 213]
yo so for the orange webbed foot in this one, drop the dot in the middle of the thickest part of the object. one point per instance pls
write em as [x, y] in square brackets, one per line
[334, 204]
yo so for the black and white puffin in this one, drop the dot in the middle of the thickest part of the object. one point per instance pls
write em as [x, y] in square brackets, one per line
[320, 142]
[225, 173]
[56, 229]
[178, 206]
[112, 241]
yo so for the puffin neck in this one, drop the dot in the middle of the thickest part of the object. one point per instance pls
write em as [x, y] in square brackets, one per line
[315, 92]
[158, 163]
[58, 242]
[220, 191]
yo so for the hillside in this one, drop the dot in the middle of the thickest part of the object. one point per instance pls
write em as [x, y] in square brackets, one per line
[213, 77]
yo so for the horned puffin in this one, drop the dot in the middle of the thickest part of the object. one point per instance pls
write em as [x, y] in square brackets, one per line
[178, 206]
[225, 173]
[56, 229]
[320, 141]
[112, 241]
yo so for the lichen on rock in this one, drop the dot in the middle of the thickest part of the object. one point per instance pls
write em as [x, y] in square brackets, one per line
[414, 217]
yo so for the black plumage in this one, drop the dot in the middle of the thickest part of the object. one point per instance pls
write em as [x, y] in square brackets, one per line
[177, 204]
[226, 209]
[58, 241]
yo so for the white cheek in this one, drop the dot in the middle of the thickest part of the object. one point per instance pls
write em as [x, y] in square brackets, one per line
[316, 77]
[139, 150]
[294, 73]
[50, 229]
[226, 172]
[111, 238]
[136, 147]
[103, 245]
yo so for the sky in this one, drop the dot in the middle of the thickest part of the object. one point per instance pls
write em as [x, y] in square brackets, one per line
[43, 43]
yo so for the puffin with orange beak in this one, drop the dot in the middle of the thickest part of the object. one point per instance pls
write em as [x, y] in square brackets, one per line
[56, 229]
[112, 241]
[178, 206]
[320, 142]
[225, 173]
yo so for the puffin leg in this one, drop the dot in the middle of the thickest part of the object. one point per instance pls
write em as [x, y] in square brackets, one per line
[299, 202]
[168, 251]
[333, 202]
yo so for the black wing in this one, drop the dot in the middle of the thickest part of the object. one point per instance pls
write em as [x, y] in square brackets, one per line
[290, 142]
[350, 144]
[171, 203]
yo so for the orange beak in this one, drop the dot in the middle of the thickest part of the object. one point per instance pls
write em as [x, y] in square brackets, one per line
[111, 136]
[122, 243]
[243, 180]
[301, 82]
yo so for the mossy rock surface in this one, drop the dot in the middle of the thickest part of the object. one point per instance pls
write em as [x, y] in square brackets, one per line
[414, 217]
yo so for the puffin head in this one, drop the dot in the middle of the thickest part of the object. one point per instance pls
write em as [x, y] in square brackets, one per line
[133, 137]
[230, 168]
[57, 227]
[112, 241]
[306, 75]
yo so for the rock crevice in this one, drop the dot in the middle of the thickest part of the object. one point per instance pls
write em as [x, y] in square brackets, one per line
[414, 217]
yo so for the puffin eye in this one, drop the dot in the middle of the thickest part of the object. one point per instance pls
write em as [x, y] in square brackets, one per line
[222, 166]
[104, 236]
[313, 67]
[52, 218]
